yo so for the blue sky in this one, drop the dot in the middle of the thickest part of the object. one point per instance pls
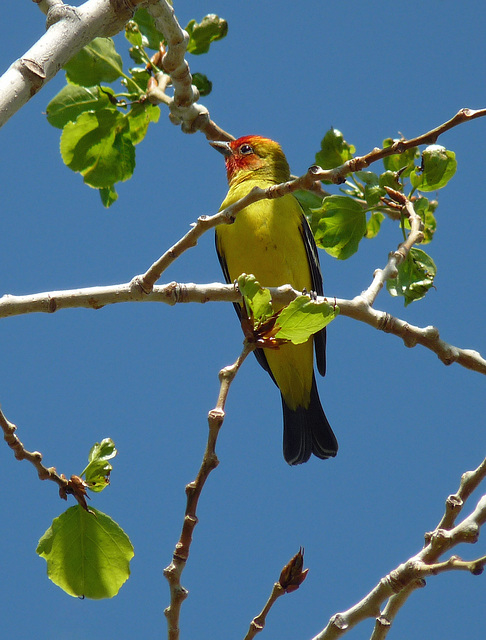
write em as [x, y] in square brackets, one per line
[146, 374]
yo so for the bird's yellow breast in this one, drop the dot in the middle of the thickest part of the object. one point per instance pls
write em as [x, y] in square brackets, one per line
[266, 241]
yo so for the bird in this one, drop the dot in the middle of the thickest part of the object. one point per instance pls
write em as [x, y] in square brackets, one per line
[272, 240]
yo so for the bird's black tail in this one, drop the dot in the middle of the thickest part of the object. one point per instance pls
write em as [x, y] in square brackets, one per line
[307, 431]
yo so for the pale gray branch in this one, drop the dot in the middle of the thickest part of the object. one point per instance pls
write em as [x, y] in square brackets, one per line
[174, 293]
[407, 577]
[184, 108]
[69, 30]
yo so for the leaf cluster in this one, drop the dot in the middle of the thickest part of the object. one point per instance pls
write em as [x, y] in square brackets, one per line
[102, 125]
[340, 221]
[295, 322]
[88, 553]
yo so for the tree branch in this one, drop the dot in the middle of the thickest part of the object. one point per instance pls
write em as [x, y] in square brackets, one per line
[193, 492]
[34, 457]
[75, 486]
[258, 622]
[176, 293]
[69, 29]
[338, 175]
[402, 581]
[184, 109]
[290, 579]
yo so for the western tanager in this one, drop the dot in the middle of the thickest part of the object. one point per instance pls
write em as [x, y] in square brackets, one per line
[271, 239]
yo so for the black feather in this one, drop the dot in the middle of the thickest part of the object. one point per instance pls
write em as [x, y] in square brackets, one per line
[307, 431]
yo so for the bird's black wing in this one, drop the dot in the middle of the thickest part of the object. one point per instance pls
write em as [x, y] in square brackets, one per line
[259, 353]
[317, 286]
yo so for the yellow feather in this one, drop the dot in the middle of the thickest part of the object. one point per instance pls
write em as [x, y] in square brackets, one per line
[271, 240]
[266, 240]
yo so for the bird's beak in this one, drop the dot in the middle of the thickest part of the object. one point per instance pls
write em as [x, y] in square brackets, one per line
[222, 147]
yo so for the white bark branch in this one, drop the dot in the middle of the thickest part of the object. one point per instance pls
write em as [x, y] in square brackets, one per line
[406, 578]
[173, 293]
[69, 29]
[183, 106]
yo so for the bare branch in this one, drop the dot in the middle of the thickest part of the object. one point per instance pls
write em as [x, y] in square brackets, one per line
[454, 503]
[184, 109]
[258, 622]
[175, 293]
[34, 457]
[397, 257]
[193, 492]
[75, 486]
[407, 577]
[69, 29]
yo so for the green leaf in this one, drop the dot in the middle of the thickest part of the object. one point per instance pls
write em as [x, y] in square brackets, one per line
[308, 200]
[373, 225]
[201, 35]
[108, 196]
[87, 554]
[415, 276]
[339, 225]
[141, 76]
[136, 54]
[146, 24]
[73, 100]
[257, 300]
[373, 192]
[389, 179]
[425, 210]
[438, 167]
[96, 62]
[203, 84]
[139, 118]
[104, 450]
[99, 146]
[302, 318]
[97, 473]
[398, 161]
[133, 34]
[335, 151]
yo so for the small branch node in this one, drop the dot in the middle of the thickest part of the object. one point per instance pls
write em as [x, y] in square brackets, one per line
[339, 621]
[138, 287]
[382, 621]
[438, 537]
[190, 487]
[216, 417]
[469, 533]
[409, 338]
[51, 304]
[449, 355]
[59, 12]
[454, 502]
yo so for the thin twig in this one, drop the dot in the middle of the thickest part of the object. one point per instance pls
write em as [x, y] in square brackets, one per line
[414, 236]
[258, 622]
[409, 576]
[290, 579]
[338, 175]
[34, 457]
[75, 486]
[203, 224]
[193, 491]
[454, 503]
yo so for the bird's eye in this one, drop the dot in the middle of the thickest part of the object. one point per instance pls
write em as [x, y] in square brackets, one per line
[246, 149]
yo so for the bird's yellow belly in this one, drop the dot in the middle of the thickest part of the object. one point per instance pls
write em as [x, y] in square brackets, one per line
[266, 240]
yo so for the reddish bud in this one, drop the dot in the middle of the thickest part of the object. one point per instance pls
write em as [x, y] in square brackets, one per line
[293, 575]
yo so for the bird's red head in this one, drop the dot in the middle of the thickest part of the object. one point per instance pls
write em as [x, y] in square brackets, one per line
[252, 156]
